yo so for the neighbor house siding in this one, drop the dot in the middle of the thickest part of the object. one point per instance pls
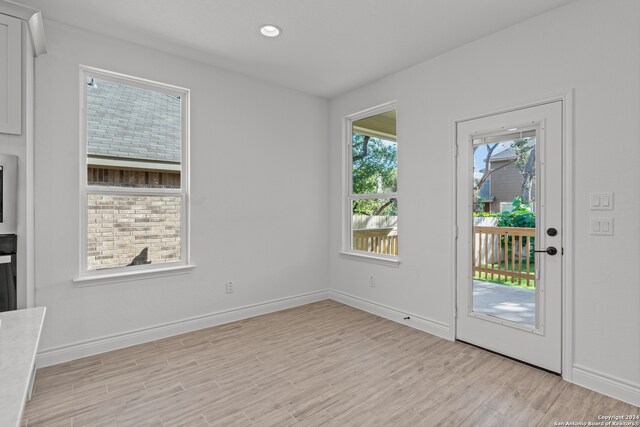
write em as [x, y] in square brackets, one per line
[506, 183]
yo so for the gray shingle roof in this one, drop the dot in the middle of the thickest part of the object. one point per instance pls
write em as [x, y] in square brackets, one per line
[132, 123]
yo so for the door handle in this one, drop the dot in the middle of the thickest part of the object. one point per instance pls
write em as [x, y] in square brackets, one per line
[551, 250]
[5, 259]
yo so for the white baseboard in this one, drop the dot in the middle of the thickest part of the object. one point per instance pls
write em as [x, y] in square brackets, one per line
[617, 388]
[77, 350]
[424, 324]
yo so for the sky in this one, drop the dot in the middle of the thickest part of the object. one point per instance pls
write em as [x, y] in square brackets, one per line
[481, 154]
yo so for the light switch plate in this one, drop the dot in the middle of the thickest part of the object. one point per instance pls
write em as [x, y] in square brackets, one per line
[601, 201]
[601, 226]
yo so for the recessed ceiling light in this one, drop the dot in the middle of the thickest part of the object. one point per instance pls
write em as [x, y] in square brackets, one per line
[270, 30]
[512, 129]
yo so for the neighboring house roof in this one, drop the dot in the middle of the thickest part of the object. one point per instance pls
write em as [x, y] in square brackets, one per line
[126, 122]
[509, 153]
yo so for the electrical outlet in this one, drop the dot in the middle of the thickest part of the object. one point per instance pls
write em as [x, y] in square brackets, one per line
[372, 281]
[228, 289]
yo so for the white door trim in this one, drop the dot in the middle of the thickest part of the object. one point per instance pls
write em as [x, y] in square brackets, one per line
[567, 218]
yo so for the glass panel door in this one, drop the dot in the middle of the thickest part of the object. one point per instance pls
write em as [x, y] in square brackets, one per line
[509, 235]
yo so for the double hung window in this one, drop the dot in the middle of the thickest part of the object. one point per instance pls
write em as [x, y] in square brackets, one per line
[371, 217]
[134, 179]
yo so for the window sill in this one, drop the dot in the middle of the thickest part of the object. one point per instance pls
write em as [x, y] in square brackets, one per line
[103, 279]
[393, 262]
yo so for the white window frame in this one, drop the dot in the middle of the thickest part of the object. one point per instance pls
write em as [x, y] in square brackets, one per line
[116, 274]
[348, 196]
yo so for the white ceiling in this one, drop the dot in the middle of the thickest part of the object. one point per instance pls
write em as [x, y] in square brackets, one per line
[327, 46]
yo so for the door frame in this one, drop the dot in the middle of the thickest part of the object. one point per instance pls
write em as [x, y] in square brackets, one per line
[567, 219]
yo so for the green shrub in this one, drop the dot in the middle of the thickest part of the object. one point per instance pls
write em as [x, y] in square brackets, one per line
[520, 216]
[486, 214]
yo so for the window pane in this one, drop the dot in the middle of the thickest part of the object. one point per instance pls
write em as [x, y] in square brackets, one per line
[374, 154]
[134, 136]
[374, 224]
[122, 229]
[504, 283]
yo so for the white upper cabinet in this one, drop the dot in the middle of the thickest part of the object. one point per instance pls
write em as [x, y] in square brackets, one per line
[10, 75]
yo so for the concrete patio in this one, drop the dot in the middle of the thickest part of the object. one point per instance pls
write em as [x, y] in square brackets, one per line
[505, 302]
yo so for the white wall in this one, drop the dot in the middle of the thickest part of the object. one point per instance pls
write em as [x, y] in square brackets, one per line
[591, 46]
[22, 147]
[259, 166]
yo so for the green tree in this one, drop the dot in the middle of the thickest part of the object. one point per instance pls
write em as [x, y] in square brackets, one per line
[375, 170]
[526, 165]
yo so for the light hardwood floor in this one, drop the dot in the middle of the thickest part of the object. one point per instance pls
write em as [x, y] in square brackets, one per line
[322, 364]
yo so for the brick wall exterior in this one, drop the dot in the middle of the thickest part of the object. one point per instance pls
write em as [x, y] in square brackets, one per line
[120, 226]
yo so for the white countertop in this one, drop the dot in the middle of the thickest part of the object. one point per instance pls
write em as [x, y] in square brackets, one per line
[19, 337]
